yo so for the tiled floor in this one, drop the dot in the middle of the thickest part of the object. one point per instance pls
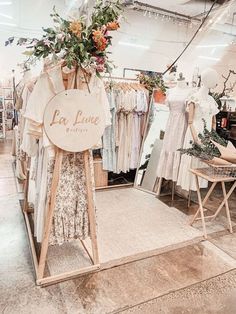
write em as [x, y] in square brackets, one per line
[199, 278]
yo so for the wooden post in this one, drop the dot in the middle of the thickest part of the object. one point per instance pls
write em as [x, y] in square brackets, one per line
[203, 202]
[50, 212]
[91, 207]
[227, 207]
[201, 207]
[26, 191]
[159, 186]
[225, 199]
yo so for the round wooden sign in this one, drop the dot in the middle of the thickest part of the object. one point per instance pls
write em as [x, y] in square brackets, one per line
[74, 120]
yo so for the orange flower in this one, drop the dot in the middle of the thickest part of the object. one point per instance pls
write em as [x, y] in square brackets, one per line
[100, 40]
[76, 28]
[113, 26]
[97, 35]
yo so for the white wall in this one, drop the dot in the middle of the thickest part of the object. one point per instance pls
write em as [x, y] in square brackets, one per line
[29, 17]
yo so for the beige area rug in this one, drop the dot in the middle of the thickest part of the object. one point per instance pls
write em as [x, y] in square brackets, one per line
[132, 224]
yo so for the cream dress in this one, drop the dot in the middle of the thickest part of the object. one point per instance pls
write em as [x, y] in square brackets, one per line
[204, 109]
[169, 161]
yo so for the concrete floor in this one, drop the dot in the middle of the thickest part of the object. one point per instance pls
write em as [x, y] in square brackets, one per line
[199, 278]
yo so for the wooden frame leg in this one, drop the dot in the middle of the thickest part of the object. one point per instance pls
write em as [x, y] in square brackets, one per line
[91, 208]
[26, 192]
[50, 212]
[159, 186]
[204, 201]
[189, 198]
[227, 196]
[201, 207]
[227, 207]
[173, 191]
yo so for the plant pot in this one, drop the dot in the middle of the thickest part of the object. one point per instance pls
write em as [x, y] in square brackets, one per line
[159, 96]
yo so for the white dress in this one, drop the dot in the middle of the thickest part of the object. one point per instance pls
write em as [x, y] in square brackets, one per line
[169, 161]
[204, 109]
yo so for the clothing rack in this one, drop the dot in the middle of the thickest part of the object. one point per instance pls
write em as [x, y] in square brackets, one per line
[125, 80]
[120, 78]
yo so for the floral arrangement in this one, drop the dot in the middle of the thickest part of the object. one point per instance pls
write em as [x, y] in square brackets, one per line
[153, 81]
[76, 42]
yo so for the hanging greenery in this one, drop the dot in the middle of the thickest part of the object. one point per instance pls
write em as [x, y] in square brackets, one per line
[74, 41]
[206, 150]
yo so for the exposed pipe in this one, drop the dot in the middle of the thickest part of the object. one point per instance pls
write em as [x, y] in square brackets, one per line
[168, 12]
[193, 37]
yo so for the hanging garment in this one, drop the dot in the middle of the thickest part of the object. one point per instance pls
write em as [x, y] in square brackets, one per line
[140, 109]
[204, 109]
[28, 142]
[109, 138]
[131, 106]
[175, 130]
[70, 220]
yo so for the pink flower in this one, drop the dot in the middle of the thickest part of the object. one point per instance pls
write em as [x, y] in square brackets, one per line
[47, 42]
[100, 60]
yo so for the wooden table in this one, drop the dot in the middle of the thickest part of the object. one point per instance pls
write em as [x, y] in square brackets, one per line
[203, 173]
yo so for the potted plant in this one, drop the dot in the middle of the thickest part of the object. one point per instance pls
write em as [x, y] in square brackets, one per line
[154, 83]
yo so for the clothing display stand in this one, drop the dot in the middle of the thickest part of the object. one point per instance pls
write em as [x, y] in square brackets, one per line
[40, 263]
[202, 173]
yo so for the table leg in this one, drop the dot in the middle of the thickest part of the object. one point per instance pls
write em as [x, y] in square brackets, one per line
[225, 199]
[201, 207]
[204, 201]
[227, 207]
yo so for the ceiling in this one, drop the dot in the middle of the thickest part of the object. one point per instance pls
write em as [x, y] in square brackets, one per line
[187, 7]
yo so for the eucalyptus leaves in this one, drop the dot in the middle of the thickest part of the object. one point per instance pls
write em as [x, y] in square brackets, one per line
[207, 150]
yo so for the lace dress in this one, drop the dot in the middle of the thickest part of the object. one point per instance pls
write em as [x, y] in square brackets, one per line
[204, 109]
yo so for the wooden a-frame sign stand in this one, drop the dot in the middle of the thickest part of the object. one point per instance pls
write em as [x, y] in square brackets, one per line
[40, 263]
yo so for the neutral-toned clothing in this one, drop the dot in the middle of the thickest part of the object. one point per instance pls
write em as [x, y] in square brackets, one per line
[175, 130]
[204, 109]
[70, 219]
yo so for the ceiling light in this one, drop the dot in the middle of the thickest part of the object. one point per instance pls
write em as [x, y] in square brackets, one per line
[5, 3]
[6, 16]
[209, 58]
[123, 43]
[8, 24]
[212, 46]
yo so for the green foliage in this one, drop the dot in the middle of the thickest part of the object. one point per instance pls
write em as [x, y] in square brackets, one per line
[207, 150]
[152, 81]
[74, 41]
